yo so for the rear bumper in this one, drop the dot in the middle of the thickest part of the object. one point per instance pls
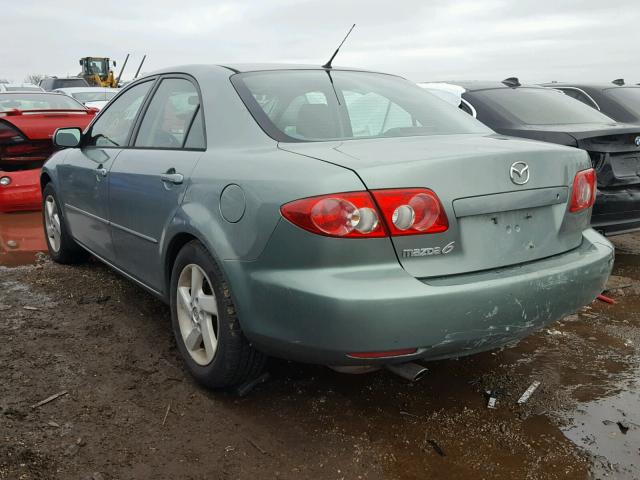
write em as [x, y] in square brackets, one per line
[617, 211]
[320, 315]
[23, 193]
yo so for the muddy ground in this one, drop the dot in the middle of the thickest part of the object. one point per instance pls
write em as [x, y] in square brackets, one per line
[131, 411]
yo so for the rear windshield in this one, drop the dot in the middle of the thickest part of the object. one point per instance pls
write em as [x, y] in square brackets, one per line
[93, 96]
[538, 106]
[629, 97]
[313, 105]
[38, 101]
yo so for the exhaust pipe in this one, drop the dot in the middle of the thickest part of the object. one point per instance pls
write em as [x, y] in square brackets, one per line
[409, 371]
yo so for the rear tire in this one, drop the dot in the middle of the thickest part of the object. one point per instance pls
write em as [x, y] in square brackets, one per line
[205, 323]
[62, 248]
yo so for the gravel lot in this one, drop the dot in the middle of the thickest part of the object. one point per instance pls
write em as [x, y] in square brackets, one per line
[131, 411]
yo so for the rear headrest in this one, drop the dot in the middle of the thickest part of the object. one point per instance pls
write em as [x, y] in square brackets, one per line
[314, 121]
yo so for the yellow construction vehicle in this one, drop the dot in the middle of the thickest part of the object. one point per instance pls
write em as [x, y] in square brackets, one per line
[97, 72]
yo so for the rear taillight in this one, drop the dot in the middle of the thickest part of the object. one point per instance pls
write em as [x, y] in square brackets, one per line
[352, 215]
[410, 211]
[583, 192]
[9, 134]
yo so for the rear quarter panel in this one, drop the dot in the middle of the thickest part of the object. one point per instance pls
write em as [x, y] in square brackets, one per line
[268, 178]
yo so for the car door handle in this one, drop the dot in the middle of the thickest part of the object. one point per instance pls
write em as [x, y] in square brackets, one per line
[175, 178]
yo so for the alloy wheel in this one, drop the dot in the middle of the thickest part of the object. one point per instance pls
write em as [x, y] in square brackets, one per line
[52, 223]
[197, 312]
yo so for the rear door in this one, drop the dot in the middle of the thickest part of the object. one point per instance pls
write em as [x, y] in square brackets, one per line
[83, 176]
[147, 181]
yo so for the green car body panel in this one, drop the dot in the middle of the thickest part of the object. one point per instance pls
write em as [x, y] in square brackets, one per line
[517, 259]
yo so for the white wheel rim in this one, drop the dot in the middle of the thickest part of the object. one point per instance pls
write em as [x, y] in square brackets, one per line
[52, 223]
[197, 311]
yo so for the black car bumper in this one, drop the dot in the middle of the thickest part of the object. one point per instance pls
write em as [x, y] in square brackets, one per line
[617, 211]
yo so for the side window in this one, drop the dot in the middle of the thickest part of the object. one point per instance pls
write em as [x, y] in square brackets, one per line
[467, 108]
[113, 126]
[195, 137]
[578, 95]
[569, 92]
[170, 114]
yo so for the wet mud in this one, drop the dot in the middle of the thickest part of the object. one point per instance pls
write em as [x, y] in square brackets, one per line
[130, 411]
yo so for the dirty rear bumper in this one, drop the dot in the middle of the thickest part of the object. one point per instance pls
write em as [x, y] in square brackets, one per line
[617, 211]
[322, 315]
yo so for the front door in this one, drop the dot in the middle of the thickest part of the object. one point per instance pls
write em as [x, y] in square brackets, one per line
[84, 174]
[147, 182]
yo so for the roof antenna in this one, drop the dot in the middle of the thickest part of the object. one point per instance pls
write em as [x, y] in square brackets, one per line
[328, 64]
[618, 81]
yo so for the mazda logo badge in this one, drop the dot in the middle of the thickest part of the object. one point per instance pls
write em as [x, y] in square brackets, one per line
[519, 173]
[637, 140]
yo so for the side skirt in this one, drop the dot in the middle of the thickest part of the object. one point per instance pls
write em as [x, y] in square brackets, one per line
[153, 291]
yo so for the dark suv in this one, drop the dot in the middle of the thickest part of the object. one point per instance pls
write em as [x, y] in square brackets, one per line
[51, 83]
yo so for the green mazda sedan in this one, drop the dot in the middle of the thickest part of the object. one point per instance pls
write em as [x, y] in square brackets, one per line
[325, 215]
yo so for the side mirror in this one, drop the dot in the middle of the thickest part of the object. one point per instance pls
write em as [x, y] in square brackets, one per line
[80, 62]
[114, 63]
[67, 137]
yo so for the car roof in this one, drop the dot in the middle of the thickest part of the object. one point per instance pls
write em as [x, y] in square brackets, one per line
[476, 85]
[85, 89]
[257, 67]
[595, 85]
[473, 85]
[23, 84]
[249, 67]
[30, 92]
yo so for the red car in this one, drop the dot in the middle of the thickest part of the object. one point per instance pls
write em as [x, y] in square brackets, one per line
[27, 123]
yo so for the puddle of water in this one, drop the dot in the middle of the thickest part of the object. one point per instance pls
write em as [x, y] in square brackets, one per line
[594, 427]
[606, 421]
[21, 238]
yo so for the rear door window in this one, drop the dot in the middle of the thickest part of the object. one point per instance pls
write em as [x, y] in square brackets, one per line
[195, 137]
[171, 113]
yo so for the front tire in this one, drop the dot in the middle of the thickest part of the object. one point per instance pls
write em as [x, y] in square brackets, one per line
[62, 248]
[205, 323]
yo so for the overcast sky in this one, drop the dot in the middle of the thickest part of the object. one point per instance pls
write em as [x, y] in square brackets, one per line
[420, 39]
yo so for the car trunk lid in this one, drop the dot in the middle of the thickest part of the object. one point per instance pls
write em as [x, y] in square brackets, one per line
[32, 143]
[493, 222]
[40, 124]
[614, 148]
[615, 157]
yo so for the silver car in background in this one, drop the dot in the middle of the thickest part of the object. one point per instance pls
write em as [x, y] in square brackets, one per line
[96, 97]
